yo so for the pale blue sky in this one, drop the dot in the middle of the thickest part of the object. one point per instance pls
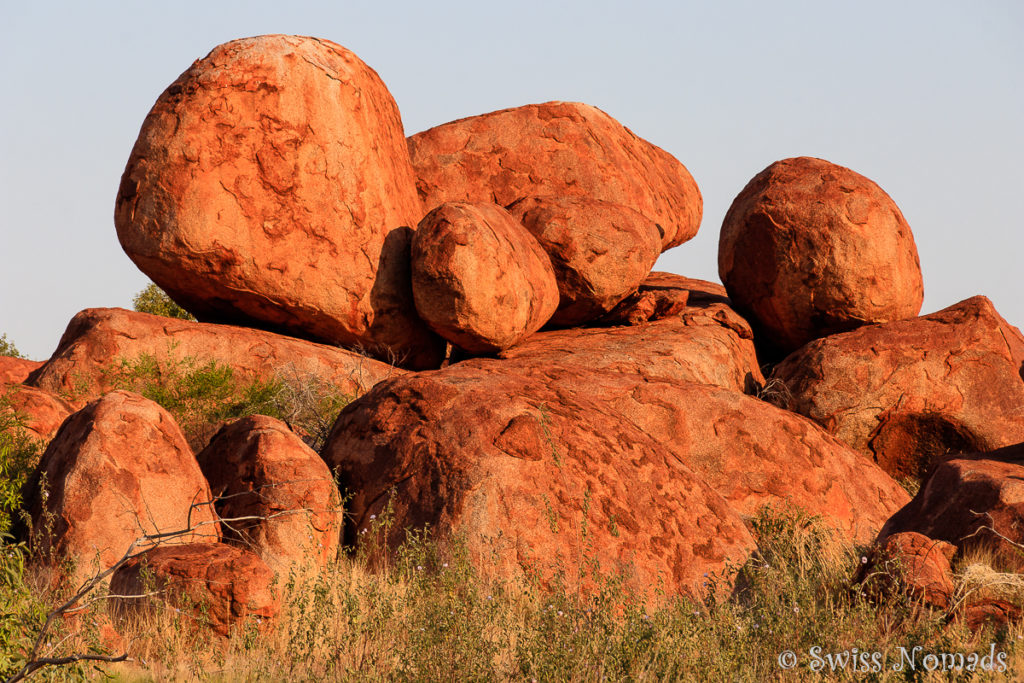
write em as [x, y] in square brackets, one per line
[925, 98]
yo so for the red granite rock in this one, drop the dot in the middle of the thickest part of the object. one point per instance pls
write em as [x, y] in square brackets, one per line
[41, 412]
[810, 248]
[16, 370]
[601, 251]
[989, 612]
[270, 186]
[704, 342]
[282, 495]
[555, 149]
[98, 339]
[118, 470]
[972, 501]
[908, 393]
[480, 279]
[912, 562]
[229, 589]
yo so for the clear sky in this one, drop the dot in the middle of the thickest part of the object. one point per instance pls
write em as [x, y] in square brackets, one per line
[926, 98]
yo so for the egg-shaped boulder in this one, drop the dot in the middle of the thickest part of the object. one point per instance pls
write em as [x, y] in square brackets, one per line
[810, 248]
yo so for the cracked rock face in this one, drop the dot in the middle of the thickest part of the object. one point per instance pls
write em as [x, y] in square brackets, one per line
[600, 251]
[558, 149]
[118, 469]
[479, 278]
[908, 393]
[810, 248]
[270, 186]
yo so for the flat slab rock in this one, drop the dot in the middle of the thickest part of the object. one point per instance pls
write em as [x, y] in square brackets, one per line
[906, 394]
[810, 248]
[270, 186]
[680, 329]
[224, 587]
[558, 149]
[508, 454]
[97, 339]
[118, 470]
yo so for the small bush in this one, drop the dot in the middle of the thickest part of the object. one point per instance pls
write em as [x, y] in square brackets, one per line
[154, 300]
[19, 453]
[7, 348]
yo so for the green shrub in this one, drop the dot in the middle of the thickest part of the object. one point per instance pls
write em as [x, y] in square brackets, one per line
[7, 348]
[154, 300]
[19, 453]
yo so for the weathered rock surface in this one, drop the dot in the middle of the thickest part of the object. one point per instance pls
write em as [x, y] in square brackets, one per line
[908, 393]
[810, 248]
[600, 251]
[117, 470]
[479, 278]
[42, 413]
[705, 342]
[257, 468]
[510, 453]
[555, 149]
[967, 499]
[912, 562]
[225, 587]
[270, 186]
[16, 370]
[97, 339]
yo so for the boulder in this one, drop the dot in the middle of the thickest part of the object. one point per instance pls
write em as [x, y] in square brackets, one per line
[659, 296]
[479, 278]
[908, 393]
[555, 149]
[285, 501]
[973, 501]
[810, 248]
[85, 363]
[914, 563]
[41, 412]
[600, 251]
[227, 588]
[704, 342]
[514, 454]
[270, 186]
[16, 370]
[118, 471]
[536, 474]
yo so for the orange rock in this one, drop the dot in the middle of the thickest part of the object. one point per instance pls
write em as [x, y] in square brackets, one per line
[270, 186]
[810, 248]
[480, 279]
[706, 342]
[555, 149]
[42, 412]
[600, 251]
[118, 470]
[219, 585]
[97, 339]
[16, 370]
[912, 562]
[908, 393]
[259, 469]
[971, 501]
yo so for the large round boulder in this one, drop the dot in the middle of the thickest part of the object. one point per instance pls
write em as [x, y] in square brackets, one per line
[810, 248]
[270, 186]
[601, 251]
[480, 279]
[555, 149]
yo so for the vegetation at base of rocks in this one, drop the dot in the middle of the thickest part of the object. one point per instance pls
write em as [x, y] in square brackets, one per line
[155, 301]
[19, 453]
[7, 348]
[427, 614]
[199, 394]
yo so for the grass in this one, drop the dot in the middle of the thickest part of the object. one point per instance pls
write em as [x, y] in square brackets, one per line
[428, 614]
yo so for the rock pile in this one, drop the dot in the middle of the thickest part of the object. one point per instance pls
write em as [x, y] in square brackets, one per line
[560, 405]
